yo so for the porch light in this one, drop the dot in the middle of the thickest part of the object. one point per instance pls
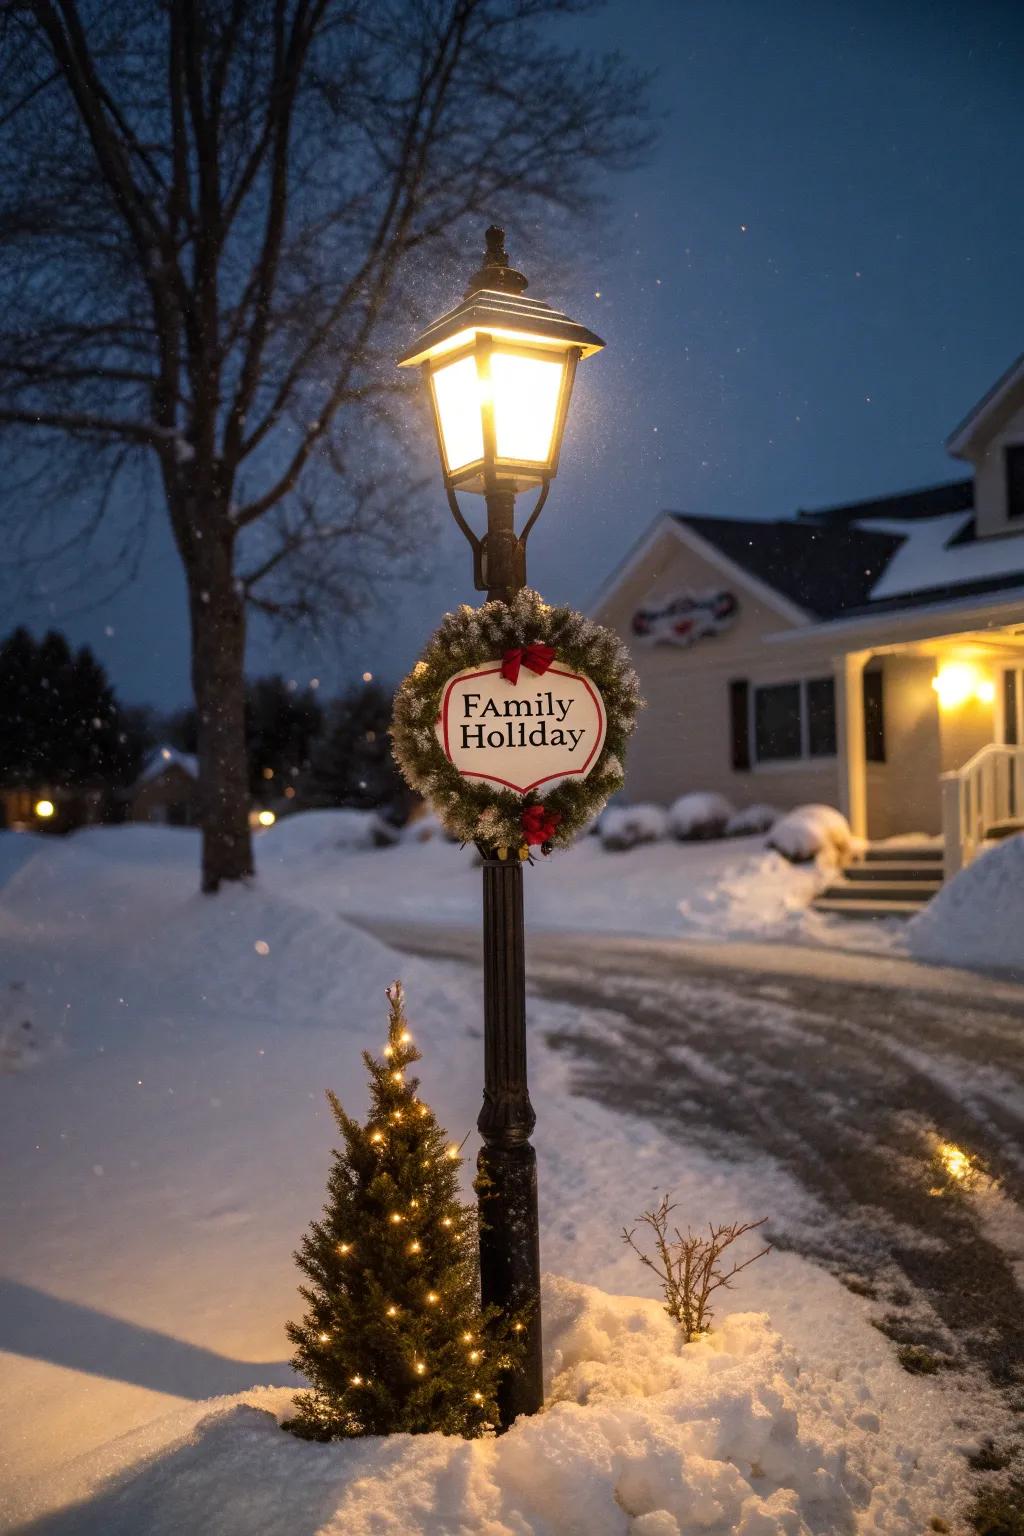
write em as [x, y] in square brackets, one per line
[499, 369]
[44, 809]
[958, 681]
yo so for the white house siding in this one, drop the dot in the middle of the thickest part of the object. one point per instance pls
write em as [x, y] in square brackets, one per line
[903, 792]
[990, 476]
[683, 741]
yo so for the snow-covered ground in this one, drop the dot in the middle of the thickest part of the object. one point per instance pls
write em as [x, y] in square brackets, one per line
[167, 1140]
[730, 888]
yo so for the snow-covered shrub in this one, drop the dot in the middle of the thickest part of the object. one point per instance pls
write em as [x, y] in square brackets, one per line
[978, 917]
[810, 830]
[699, 816]
[751, 820]
[329, 831]
[425, 828]
[625, 826]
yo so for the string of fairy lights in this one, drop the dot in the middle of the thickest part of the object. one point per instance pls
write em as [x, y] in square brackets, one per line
[431, 1298]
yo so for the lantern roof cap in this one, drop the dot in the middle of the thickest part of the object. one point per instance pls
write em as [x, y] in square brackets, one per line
[509, 314]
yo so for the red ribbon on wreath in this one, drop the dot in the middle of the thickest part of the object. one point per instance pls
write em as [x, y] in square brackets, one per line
[539, 824]
[537, 657]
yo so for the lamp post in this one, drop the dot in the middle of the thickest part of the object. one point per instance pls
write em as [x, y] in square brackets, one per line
[500, 369]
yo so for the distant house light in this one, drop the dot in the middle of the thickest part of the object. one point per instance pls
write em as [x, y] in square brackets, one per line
[44, 809]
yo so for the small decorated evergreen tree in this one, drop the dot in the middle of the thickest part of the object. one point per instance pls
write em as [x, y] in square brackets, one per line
[394, 1338]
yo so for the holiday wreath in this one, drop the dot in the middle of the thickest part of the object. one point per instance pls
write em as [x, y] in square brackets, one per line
[524, 638]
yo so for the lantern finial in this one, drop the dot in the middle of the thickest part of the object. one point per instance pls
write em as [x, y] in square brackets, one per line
[496, 273]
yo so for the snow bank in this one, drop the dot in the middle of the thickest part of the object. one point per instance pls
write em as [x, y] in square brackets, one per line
[701, 815]
[978, 917]
[642, 1436]
[751, 820]
[626, 826]
[317, 832]
[751, 897]
[811, 830]
[158, 1169]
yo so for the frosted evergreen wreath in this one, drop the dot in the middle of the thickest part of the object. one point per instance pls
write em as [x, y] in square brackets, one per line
[532, 642]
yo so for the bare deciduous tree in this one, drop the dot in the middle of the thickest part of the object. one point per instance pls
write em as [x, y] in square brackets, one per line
[210, 213]
[689, 1268]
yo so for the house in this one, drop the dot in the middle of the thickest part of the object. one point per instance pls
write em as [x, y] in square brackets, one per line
[167, 789]
[870, 656]
[42, 807]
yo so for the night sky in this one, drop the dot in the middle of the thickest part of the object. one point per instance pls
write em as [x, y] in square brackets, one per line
[814, 278]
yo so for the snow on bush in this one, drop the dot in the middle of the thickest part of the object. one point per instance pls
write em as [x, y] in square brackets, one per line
[978, 917]
[313, 832]
[625, 826]
[810, 830]
[698, 816]
[751, 820]
[425, 828]
[641, 1436]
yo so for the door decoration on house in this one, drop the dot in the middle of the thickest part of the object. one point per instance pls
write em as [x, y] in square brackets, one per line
[514, 724]
[686, 618]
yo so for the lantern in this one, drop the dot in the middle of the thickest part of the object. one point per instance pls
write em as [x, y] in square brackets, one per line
[500, 370]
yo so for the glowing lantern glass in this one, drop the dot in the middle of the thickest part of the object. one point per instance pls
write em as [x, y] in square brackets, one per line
[500, 370]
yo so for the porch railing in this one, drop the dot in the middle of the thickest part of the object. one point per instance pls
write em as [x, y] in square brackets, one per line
[987, 790]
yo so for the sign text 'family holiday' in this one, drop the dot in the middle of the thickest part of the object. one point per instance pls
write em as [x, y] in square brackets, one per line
[529, 734]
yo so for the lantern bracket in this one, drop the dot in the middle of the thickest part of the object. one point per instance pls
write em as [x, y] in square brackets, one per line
[479, 546]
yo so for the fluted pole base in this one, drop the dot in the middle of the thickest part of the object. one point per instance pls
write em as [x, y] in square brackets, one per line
[507, 1165]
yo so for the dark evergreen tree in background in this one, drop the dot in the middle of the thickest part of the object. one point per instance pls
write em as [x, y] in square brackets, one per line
[60, 723]
[282, 722]
[394, 1338]
[353, 763]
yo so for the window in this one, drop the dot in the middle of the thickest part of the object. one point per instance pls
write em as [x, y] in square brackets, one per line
[1014, 453]
[794, 720]
[777, 733]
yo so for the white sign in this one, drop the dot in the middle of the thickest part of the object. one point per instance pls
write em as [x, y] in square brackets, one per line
[531, 734]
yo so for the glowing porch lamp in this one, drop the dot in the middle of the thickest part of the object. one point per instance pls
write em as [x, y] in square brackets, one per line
[957, 681]
[44, 809]
[499, 369]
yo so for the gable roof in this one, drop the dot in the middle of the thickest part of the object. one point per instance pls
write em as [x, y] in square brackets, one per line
[163, 759]
[824, 570]
[1005, 396]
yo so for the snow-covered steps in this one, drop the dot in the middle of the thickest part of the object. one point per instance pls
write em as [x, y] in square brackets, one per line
[889, 880]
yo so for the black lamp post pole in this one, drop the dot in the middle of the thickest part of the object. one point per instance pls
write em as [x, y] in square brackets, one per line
[507, 1164]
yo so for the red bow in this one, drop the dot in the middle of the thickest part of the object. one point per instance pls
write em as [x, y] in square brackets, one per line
[537, 657]
[539, 824]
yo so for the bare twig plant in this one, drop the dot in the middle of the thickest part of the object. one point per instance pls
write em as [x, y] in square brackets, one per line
[690, 1268]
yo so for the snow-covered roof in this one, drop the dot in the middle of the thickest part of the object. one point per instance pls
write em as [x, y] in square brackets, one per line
[870, 556]
[162, 758]
[939, 552]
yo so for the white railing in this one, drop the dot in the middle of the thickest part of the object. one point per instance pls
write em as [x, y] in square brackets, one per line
[986, 790]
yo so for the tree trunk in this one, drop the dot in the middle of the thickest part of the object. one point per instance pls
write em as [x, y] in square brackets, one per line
[217, 614]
